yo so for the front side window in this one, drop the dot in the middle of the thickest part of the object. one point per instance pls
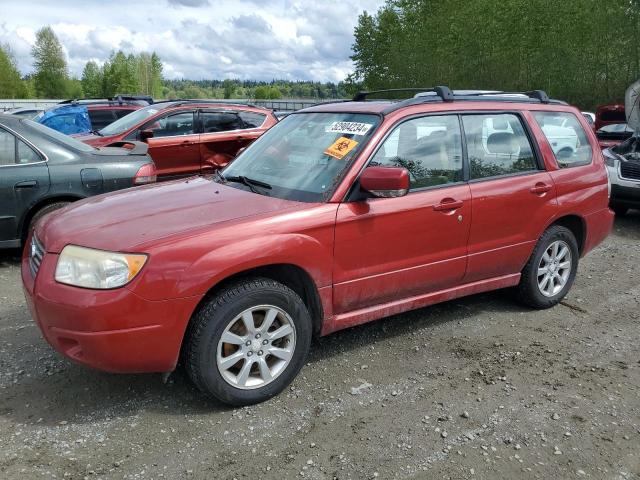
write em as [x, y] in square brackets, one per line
[497, 145]
[567, 138]
[172, 125]
[303, 157]
[429, 148]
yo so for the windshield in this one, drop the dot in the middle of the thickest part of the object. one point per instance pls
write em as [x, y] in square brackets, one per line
[616, 128]
[58, 136]
[129, 121]
[303, 157]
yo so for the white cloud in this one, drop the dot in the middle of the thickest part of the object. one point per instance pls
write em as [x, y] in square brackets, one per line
[196, 39]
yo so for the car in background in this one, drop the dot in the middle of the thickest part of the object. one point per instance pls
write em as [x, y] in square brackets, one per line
[340, 214]
[611, 125]
[42, 170]
[590, 117]
[84, 116]
[26, 112]
[188, 137]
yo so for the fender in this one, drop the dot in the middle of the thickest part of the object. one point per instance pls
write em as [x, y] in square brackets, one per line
[300, 250]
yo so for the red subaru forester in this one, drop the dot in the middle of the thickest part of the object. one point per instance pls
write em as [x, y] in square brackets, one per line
[340, 214]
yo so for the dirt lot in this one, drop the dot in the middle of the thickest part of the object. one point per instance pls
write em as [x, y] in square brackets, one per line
[475, 388]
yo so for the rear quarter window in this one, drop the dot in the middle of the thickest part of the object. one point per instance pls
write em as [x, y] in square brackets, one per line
[567, 138]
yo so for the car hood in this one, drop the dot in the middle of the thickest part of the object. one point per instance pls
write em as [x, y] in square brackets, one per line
[130, 220]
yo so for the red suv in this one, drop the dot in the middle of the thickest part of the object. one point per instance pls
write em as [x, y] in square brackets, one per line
[188, 137]
[340, 214]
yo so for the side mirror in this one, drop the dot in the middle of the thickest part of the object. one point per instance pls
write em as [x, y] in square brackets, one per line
[146, 135]
[385, 182]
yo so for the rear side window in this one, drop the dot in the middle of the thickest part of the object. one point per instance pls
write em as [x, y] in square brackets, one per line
[101, 118]
[252, 119]
[567, 138]
[14, 151]
[7, 148]
[497, 145]
[213, 122]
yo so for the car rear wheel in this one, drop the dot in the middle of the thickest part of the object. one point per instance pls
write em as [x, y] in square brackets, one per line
[45, 210]
[247, 343]
[551, 270]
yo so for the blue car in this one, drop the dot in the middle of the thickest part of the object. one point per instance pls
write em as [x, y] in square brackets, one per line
[86, 116]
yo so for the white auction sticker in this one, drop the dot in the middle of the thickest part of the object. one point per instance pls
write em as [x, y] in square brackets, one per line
[354, 128]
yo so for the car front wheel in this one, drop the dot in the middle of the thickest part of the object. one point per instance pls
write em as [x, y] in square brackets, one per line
[247, 343]
[551, 270]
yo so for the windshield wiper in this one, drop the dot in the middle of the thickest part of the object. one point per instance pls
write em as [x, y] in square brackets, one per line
[96, 132]
[249, 182]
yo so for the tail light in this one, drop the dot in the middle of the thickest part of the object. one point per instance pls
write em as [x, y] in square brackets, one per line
[145, 174]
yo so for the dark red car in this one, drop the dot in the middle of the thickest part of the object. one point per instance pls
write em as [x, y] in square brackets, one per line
[188, 137]
[340, 214]
[611, 125]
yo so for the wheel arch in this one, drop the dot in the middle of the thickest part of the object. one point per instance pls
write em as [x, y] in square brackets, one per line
[40, 204]
[290, 275]
[577, 225]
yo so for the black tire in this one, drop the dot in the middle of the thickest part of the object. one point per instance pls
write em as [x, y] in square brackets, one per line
[209, 323]
[620, 211]
[528, 291]
[45, 210]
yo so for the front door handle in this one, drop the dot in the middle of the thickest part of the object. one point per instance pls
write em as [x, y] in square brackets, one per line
[448, 204]
[540, 188]
[26, 184]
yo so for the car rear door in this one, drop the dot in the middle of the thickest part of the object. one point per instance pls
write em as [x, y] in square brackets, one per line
[513, 197]
[174, 145]
[392, 248]
[224, 133]
[24, 179]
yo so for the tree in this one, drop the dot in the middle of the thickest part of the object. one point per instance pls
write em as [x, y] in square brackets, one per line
[92, 80]
[229, 88]
[50, 65]
[11, 85]
[120, 74]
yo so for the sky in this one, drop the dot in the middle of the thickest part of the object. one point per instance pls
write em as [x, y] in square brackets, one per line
[196, 39]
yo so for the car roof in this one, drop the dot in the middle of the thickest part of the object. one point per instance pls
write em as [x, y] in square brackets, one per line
[435, 96]
[196, 103]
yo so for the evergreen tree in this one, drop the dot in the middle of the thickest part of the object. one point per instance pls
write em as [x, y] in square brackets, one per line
[50, 65]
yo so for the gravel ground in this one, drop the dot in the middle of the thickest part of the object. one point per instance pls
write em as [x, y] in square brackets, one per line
[473, 388]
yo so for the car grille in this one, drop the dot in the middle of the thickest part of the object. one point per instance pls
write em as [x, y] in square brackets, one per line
[36, 252]
[630, 170]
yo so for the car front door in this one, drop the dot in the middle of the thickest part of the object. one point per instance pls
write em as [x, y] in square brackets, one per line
[24, 179]
[223, 134]
[392, 248]
[174, 145]
[513, 197]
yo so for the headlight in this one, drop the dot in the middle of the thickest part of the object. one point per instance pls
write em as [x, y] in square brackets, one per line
[609, 158]
[89, 268]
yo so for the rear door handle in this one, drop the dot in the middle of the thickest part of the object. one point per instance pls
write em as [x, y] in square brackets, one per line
[26, 184]
[540, 188]
[448, 204]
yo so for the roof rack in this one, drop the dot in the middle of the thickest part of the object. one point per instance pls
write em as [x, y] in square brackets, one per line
[186, 101]
[119, 99]
[443, 92]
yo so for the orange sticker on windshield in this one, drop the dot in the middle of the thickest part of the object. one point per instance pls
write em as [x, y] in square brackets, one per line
[341, 147]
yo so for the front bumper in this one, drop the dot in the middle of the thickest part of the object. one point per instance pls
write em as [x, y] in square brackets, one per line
[625, 192]
[111, 330]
